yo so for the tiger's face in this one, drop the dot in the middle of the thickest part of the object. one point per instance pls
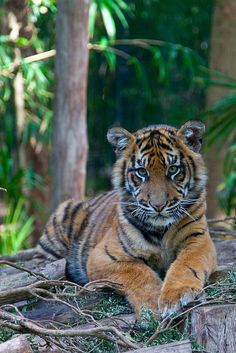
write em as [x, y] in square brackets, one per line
[159, 172]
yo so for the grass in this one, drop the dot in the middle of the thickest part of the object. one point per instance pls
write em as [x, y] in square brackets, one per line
[5, 334]
[16, 229]
[224, 289]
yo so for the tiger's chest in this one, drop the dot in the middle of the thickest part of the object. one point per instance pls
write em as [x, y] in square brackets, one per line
[159, 256]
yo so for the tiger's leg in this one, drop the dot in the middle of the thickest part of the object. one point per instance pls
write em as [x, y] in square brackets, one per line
[138, 282]
[187, 275]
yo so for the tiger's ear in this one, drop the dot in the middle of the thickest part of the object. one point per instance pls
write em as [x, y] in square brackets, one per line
[191, 133]
[119, 139]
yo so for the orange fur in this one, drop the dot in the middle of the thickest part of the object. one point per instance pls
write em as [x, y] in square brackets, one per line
[150, 233]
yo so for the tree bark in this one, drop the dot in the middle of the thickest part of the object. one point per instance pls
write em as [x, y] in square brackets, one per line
[18, 344]
[222, 58]
[213, 327]
[70, 130]
[177, 347]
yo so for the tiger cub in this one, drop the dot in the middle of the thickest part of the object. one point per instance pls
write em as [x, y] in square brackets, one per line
[150, 233]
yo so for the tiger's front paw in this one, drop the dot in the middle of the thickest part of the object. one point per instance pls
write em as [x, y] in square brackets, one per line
[173, 299]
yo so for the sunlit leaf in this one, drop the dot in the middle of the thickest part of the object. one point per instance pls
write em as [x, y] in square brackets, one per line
[92, 18]
[108, 21]
[119, 13]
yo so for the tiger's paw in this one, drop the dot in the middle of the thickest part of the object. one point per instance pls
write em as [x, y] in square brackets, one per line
[174, 299]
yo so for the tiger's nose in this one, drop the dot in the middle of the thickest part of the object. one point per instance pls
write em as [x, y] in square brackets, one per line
[158, 207]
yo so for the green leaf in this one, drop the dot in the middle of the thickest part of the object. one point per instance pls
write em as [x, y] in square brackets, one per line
[108, 21]
[158, 58]
[4, 39]
[92, 18]
[22, 42]
[111, 59]
[120, 15]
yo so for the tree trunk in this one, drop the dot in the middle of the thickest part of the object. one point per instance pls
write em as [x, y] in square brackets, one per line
[213, 327]
[222, 58]
[70, 131]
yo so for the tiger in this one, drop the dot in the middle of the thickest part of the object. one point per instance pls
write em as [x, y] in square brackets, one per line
[149, 233]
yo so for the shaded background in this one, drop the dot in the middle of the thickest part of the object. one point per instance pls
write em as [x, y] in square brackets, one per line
[150, 62]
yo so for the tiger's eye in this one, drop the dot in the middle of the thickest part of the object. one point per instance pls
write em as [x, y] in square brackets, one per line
[173, 169]
[142, 172]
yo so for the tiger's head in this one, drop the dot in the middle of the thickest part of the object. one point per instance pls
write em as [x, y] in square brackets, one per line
[159, 172]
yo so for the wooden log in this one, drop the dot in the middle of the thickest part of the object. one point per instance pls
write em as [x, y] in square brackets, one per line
[19, 344]
[32, 264]
[41, 346]
[214, 328]
[53, 270]
[176, 347]
[226, 251]
[23, 255]
[11, 290]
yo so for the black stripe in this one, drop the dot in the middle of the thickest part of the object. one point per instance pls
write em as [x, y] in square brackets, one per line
[85, 248]
[86, 245]
[192, 221]
[109, 254]
[194, 272]
[49, 239]
[152, 236]
[165, 146]
[123, 174]
[196, 196]
[94, 202]
[146, 149]
[133, 161]
[193, 165]
[66, 212]
[81, 229]
[165, 137]
[189, 171]
[72, 218]
[194, 235]
[49, 250]
[124, 247]
[57, 232]
[135, 180]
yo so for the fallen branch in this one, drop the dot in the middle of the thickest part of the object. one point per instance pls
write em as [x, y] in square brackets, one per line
[21, 324]
[18, 267]
[222, 219]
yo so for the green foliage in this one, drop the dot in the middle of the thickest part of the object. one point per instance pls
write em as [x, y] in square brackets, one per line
[222, 115]
[147, 326]
[5, 334]
[111, 305]
[222, 130]
[10, 179]
[16, 228]
[160, 77]
[227, 188]
[38, 78]
[224, 290]
[107, 11]
[145, 81]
